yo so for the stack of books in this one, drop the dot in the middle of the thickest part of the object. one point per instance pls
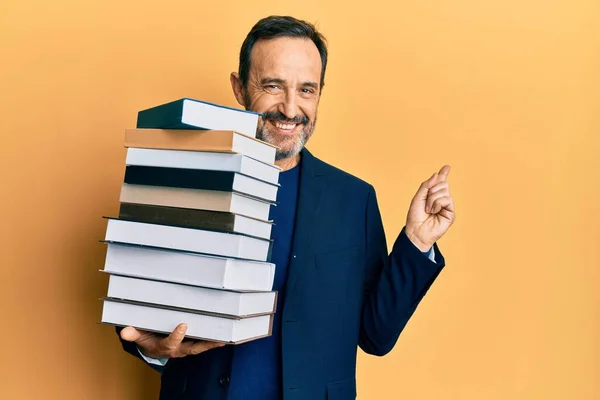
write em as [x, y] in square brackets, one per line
[192, 241]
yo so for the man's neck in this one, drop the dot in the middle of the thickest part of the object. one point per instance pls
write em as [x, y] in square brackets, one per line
[288, 163]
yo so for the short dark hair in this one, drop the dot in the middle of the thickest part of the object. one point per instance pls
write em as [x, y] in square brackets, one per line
[281, 26]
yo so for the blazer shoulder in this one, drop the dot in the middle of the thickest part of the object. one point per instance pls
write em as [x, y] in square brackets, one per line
[339, 176]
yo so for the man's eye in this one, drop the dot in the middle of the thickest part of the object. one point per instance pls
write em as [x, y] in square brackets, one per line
[307, 91]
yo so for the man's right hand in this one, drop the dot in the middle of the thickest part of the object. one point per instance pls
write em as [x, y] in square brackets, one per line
[160, 346]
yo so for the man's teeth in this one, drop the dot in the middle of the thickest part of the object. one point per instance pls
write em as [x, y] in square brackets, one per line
[287, 127]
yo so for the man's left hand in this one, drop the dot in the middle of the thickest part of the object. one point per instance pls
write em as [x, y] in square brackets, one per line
[431, 211]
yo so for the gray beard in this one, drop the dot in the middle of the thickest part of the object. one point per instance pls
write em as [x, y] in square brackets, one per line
[281, 154]
[288, 152]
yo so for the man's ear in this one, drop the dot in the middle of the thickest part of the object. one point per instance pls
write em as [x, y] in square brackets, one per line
[238, 89]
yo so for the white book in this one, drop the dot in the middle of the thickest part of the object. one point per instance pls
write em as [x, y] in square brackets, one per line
[189, 268]
[257, 149]
[200, 199]
[202, 326]
[188, 112]
[253, 187]
[239, 304]
[188, 239]
[212, 161]
[201, 140]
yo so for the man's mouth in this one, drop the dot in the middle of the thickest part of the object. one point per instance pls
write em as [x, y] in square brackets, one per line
[282, 127]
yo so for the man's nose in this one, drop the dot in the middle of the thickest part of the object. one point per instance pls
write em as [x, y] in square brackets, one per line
[288, 106]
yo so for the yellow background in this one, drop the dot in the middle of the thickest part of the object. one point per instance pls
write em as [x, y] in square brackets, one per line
[505, 91]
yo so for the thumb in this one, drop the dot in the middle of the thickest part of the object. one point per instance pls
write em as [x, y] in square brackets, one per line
[130, 334]
[425, 186]
[444, 172]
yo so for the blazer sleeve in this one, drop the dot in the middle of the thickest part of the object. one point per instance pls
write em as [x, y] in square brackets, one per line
[394, 283]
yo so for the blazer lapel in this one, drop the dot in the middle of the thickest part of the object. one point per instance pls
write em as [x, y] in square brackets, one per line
[309, 202]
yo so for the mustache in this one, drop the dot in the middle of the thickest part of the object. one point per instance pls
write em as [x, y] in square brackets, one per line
[277, 116]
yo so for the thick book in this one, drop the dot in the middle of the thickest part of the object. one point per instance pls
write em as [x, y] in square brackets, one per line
[190, 218]
[201, 325]
[188, 267]
[188, 239]
[201, 140]
[237, 304]
[189, 113]
[200, 179]
[213, 200]
[210, 161]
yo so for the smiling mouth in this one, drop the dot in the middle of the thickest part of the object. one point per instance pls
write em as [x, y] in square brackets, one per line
[283, 127]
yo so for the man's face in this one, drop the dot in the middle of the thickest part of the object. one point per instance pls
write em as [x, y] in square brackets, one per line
[283, 85]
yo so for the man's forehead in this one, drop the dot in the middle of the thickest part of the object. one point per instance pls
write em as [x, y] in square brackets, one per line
[285, 54]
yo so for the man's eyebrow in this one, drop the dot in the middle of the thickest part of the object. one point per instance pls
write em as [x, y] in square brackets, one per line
[268, 80]
[311, 84]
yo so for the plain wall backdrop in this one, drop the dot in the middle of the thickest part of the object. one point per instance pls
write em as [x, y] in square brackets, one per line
[505, 91]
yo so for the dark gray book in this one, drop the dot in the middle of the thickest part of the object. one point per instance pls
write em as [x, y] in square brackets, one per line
[192, 218]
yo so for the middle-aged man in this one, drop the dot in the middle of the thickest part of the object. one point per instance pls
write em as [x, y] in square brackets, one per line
[338, 287]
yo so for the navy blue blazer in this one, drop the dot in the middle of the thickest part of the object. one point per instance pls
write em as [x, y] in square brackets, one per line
[344, 290]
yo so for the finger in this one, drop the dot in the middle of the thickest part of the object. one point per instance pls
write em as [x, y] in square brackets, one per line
[433, 197]
[197, 347]
[424, 188]
[174, 339]
[130, 334]
[448, 212]
[438, 186]
[443, 174]
[440, 203]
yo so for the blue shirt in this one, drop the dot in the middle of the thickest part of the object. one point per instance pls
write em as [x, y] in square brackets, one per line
[256, 372]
